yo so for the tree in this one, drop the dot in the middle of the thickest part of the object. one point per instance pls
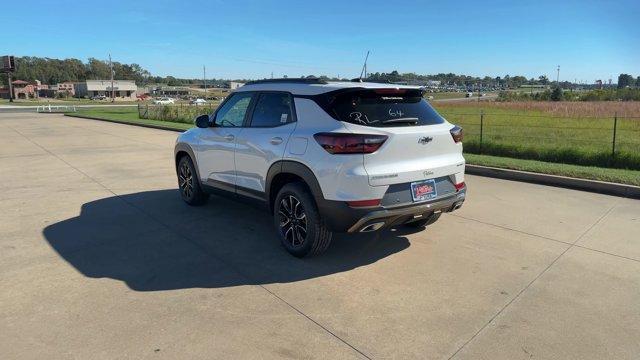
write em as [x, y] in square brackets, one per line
[638, 82]
[557, 94]
[543, 80]
[625, 80]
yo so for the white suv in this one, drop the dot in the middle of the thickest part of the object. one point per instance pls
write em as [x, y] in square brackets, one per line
[326, 157]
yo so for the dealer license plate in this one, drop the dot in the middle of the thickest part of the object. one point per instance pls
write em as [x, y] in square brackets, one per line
[423, 190]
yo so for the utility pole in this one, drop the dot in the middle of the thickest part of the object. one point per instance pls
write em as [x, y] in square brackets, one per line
[204, 79]
[10, 87]
[558, 77]
[113, 93]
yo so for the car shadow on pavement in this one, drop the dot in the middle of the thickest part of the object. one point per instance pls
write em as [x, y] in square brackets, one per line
[153, 241]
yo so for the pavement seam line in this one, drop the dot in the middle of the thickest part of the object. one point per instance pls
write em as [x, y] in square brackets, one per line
[204, 250]
[546, 238]
[510, 229]
[571, 245]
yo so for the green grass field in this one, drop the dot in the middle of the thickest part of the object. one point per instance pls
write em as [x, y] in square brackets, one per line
[127, 116]
[539, 135]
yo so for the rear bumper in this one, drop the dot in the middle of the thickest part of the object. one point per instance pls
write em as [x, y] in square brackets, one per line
[342, 218]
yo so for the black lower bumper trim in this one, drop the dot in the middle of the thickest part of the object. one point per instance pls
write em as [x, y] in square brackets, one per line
[342, 218]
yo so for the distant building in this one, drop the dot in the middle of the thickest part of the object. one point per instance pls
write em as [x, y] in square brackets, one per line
[125, 89]
[234, 85]
[66, 87]
[24, 90]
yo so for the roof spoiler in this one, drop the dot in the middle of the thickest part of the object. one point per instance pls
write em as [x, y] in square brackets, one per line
[288, 81]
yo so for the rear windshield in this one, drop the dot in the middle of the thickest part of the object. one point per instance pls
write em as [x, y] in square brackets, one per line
[383, 108]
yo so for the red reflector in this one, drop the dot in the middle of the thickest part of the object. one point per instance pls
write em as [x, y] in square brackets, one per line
[459, 186]
[364, 203]
[390, 91]
[345, 143]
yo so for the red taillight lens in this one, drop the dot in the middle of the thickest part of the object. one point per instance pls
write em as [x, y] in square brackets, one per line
[456, 134]
[460, 186]
[343, 143]
[364, 203]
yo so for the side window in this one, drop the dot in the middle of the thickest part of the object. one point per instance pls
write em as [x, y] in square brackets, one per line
[272, 109]
[231, 114]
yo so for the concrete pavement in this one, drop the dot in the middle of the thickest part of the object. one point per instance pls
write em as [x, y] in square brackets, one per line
[101, 259]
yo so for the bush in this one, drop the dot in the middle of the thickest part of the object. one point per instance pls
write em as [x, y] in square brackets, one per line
[557, 94]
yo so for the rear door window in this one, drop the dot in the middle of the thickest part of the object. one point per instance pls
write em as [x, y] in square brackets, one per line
[384, 108]
[272, 109]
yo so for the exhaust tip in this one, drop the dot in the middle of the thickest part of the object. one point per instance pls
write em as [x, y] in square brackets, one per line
[372, 227]
[456, 206]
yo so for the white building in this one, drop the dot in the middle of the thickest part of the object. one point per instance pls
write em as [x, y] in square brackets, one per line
[125, 89]
[234, 85]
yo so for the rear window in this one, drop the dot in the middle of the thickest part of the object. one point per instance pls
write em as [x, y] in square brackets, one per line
[384, 108]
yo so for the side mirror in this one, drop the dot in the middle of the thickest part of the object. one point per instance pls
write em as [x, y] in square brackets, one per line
[202, 121]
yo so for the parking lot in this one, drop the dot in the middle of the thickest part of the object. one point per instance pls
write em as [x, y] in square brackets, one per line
[101, 259]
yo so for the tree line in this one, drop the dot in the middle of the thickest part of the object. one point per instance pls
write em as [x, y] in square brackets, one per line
[53, 71]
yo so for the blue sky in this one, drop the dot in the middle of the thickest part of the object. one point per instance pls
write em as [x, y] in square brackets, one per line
[250, 39]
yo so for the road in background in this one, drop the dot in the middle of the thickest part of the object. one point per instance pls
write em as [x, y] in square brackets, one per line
[101, 259]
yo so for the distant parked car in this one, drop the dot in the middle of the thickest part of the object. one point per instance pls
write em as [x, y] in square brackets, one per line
[164, 101]
[198, 101]
[99, 97]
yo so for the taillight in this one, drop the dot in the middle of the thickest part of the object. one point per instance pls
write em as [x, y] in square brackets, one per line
[456, 133]
[344, 143]
[459, 186]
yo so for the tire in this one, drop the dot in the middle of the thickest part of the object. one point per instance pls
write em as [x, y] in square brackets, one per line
[424, 222]
[298, 224]
[189, 184]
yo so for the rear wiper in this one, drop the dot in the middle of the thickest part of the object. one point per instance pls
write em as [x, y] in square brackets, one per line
[407, 120]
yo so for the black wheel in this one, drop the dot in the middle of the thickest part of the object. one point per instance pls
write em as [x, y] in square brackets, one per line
[189, 184]
[424, 222]
[298, 223]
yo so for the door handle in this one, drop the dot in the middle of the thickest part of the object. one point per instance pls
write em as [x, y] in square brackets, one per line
[229, 137]
[276, 140]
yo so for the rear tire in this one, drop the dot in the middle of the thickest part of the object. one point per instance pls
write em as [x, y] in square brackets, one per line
[424, 222]
[298, 224]
[189, 184]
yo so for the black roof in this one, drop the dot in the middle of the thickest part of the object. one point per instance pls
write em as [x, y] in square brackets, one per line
[288, 81]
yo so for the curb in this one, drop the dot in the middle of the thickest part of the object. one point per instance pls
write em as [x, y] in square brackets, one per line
[601, 187]
[159, 127]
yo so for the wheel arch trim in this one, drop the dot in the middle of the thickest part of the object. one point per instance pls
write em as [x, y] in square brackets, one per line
[294, 168]
[186, 148]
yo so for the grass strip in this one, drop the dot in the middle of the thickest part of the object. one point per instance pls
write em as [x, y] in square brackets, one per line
[621, 176]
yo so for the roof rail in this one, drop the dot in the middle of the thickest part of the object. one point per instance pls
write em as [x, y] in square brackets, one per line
[288, 81]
